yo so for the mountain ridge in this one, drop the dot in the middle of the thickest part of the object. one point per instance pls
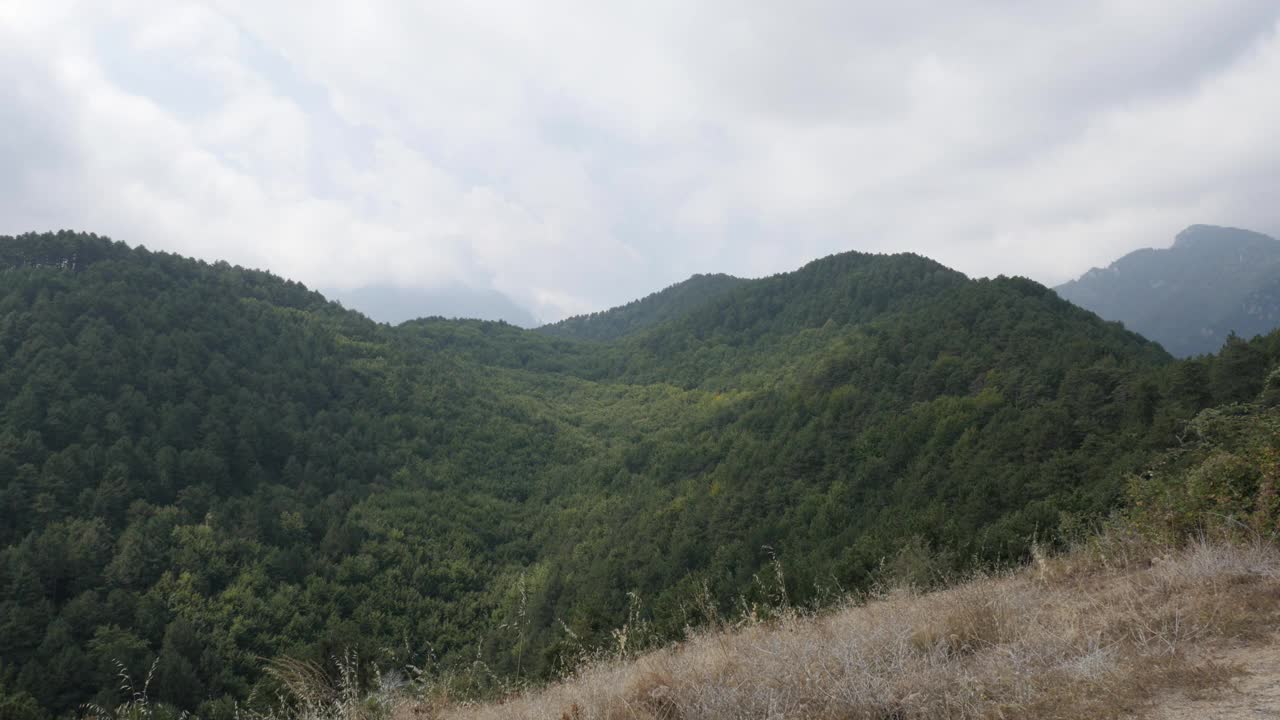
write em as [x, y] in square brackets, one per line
[654, 308]
[1189, 297]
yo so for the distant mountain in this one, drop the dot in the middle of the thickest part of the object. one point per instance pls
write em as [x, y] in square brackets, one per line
[650, 310]
[394, 305]
[1257, 314]
[1192, 296]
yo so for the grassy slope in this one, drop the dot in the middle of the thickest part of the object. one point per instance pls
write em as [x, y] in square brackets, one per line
[1096, 633]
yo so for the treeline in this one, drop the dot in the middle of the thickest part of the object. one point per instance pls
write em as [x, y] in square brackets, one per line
[645, 312]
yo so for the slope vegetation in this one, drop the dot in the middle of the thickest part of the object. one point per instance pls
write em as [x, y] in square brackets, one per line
[1089, 635]
[1169, 612]
[204, 466]
[666, 304]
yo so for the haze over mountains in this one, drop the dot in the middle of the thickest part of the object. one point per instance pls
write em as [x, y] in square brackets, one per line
[1190, 297]
[394, 305]
[206, 466]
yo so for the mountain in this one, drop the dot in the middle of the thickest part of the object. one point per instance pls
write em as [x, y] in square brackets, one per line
[394, 305]
[1257, 314]
[1213, 281]
[650, 310]
[204, 467]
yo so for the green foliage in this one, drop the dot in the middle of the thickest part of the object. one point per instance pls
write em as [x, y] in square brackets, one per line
[19, 706]
[675, 301]
[1223, 478]
[203, 466]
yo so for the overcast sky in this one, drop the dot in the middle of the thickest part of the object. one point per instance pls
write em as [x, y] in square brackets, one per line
[576, 154]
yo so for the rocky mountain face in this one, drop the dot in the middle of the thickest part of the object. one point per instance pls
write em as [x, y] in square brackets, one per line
[1190, 297]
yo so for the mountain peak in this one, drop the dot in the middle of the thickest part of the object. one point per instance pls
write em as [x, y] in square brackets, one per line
[636, 315]
[1190, 296]
[1202, 236]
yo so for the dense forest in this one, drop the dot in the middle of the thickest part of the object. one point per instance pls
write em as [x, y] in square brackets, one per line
[651, 310]
[204, 467]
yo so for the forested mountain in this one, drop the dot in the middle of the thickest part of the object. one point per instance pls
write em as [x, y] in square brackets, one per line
[1214, 281]
[652, 309]
[203, 466]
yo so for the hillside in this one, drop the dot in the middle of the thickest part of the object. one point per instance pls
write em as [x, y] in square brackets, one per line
[650, 310]
[1257, 314]
[1168, 612]
[1213, 281]
[1081, 636]
[207, 466]
[1167, 608]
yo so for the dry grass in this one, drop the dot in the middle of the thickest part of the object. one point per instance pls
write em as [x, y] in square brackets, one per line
[1096, 633]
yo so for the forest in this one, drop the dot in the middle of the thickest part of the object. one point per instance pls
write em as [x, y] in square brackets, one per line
[204, 468]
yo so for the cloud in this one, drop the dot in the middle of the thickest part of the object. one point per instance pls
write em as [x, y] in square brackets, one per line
[576, 154]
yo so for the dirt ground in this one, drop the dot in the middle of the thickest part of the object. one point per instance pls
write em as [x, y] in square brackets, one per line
[1254, 695]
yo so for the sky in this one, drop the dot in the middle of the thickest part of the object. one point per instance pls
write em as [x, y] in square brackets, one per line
[576, 154]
